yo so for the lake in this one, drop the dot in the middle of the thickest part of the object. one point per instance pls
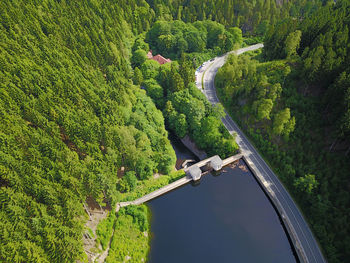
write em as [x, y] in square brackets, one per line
[226, 218]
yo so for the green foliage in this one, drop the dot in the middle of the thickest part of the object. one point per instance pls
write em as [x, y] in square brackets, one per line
[185, 108]
[173, 38]
[243, 82]
[186, 71]
[236, 34]
[289, 127]
[144, 167]
[128, 182]
[262, 108]
[130, 241]
[178, 124]
[155, 91]
[276, 38]
[280, 121]
[325, 51]
[253, 17]
[292, 43]
[212, 136]
[138, 77]
[104, 230]
[139, 215]
[129, 230]
[310, 112]
[188, 112]
[149, 69]
[175, 79]
[140, 44]
[138, 57]
[70, 118]
[306, 184]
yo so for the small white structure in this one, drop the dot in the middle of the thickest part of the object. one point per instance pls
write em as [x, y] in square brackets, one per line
[216, 163]
[195, 172]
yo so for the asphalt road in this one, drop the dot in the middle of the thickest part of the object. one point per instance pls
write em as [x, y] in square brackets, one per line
[302, 237]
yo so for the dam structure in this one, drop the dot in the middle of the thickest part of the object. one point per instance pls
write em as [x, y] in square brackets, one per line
[193, 173]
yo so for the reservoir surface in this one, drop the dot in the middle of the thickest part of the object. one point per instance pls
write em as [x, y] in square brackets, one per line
[226, 218]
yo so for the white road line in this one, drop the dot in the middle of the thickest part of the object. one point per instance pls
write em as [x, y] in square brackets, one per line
[274, 184]
[212, 96]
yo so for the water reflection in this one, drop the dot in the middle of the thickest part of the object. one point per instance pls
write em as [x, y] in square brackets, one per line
[226, 218]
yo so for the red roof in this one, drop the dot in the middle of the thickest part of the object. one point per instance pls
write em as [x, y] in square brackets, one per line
[149, 54]
[159, 58]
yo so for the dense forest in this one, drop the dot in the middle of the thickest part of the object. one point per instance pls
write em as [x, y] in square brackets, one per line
[172, 87]
[293, 101]
[253, 17]
[174, 38]
[80, 102]
[70, 118]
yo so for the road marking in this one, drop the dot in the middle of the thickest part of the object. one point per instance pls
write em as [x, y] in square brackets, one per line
[269, 177]
[274, 184]
[210, 93]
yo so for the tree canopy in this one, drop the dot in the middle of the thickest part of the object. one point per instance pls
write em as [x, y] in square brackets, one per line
[303, 72]
[70, 118]
[173, 38]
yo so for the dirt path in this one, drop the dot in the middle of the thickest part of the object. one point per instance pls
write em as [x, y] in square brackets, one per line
[88, 240]
[96, 214]
[102, 257]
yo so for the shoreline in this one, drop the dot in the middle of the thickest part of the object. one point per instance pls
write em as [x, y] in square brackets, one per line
[191, 147]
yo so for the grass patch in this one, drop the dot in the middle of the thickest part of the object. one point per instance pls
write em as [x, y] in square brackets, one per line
[130, 241]
[147, 186]
[104, 229]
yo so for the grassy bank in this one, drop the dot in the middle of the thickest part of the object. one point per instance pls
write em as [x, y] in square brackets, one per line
[127, 233]
[131, 237]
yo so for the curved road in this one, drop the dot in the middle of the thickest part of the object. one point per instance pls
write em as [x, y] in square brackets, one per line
[301, 235]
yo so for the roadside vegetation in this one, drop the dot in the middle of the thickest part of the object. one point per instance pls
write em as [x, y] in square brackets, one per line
[83, 113]
[172, 87]
[293, 102]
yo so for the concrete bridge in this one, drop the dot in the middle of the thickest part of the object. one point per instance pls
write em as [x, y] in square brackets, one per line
[193, 173]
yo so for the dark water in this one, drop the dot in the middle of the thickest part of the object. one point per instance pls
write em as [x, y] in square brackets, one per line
[226, 218]
[182, 153]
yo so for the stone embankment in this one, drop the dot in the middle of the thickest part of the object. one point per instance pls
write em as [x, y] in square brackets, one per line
[193, 148]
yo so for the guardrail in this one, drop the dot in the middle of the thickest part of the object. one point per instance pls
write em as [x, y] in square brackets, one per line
[288, 225]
